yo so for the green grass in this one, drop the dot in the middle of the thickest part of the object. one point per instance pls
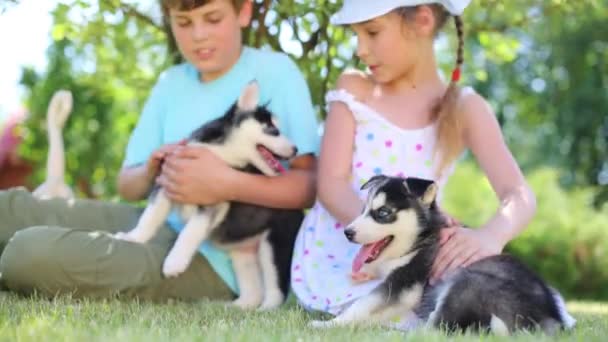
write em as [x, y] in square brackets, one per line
[62, 319]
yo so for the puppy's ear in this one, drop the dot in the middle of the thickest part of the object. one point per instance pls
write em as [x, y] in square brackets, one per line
[430, 194]
[373, 181]
[424, 189]
[406, 186]
[250, 97]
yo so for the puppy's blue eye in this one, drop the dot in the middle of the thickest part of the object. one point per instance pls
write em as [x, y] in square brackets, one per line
[383, 212]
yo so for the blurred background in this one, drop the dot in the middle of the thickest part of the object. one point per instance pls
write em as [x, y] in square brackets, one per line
[543, 65]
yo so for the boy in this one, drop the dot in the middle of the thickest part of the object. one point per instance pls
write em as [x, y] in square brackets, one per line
[53, 259]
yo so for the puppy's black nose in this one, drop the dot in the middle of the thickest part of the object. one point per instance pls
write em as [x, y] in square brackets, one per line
[295, 151]
[350, 234]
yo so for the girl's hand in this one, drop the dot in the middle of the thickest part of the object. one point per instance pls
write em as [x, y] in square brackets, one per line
[460, 247]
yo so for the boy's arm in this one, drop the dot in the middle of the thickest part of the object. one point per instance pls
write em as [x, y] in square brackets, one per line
[183, 181]
[195, 175]
[294, 189]
[134, 182]
[143, 155]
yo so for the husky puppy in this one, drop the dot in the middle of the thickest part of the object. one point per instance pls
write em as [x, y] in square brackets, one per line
[246, 138]
[399, 230]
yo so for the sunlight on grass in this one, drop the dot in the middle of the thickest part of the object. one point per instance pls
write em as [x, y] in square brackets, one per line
[23, 319]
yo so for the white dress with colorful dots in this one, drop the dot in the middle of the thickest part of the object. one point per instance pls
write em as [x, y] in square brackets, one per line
[323, 256]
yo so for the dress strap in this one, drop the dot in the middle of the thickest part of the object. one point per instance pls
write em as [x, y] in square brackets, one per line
[357, 108]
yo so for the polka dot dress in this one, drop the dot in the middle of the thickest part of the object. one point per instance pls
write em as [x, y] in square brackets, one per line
[323, 256]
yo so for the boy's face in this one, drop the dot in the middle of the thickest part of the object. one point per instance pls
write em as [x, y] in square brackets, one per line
[209, 36]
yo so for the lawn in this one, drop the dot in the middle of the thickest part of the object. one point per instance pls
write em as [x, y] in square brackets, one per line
[62, 319]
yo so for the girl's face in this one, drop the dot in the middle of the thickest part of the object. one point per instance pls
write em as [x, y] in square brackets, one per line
[209, 37]
[389, 46]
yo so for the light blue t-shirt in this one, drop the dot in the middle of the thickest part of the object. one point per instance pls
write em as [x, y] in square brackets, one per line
[180, 103]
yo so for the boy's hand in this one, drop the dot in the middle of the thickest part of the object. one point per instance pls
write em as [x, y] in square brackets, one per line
[195, 175]
[460, 247]
[157, 157]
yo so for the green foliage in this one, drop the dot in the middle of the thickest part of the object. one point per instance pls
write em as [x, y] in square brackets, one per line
[110, 68]
[519, 55]
[526, 58]
[566, 240]
[552, 96]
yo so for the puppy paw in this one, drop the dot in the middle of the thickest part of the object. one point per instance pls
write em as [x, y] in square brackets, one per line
[361, 277]
[321, 324]
[248, 302]
[131, 236]
[271, 302]
[175, 265]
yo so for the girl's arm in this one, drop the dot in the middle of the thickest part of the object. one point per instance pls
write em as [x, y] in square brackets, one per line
[333, 186]
[484, 138]
[460, 246]
[335, 163]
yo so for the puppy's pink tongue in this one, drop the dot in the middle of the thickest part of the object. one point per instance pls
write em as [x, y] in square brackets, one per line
[271, 160]
[364, 253]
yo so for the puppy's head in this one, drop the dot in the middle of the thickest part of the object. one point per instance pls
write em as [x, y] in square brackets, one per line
[396, 213]
[249, 128]
[258, 126]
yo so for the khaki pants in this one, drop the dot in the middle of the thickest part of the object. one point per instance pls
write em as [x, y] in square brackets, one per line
[56, 247]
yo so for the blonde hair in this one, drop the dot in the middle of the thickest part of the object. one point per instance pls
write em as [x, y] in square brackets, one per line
[449, 131]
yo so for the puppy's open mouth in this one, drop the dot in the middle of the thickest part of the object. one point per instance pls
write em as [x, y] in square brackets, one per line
[271, 159]
[370, 252]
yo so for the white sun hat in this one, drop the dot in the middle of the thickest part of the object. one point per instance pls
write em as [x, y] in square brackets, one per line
[356, 11]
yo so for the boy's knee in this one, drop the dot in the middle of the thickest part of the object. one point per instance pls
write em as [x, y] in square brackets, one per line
[28, 259]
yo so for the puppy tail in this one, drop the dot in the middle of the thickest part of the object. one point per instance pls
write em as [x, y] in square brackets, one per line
[567, 320]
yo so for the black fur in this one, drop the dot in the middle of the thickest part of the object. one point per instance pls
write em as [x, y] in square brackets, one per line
[244, 220]
[499, 285]
[216, 131]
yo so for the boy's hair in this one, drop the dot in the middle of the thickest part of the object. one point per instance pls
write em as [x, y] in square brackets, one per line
[185, 5]
[449, 133]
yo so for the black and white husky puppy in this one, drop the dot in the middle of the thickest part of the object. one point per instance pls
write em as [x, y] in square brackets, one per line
[399, 230]
[246, 138]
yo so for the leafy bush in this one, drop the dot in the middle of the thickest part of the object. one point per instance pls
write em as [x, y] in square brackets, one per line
[566, 242]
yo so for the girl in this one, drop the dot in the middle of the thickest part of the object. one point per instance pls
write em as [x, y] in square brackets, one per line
[401, 119]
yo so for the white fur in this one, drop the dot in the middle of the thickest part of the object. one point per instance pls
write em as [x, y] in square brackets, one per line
[360, 310]
[387, 267]
[249, 279]
[443, 292]
[197, 229]
[150, 221]
[378, 201]
[498, 327]
[407, 302]
[57, 114]
[249, 98]
[374, 308]
[569, 321]
[273, 297]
